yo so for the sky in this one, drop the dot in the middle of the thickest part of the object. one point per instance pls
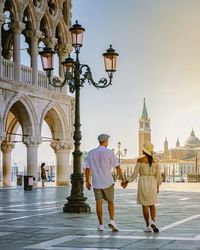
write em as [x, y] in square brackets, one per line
[159, 59]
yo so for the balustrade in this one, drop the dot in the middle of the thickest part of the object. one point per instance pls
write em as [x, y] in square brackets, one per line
[7, 71]
[26, 74]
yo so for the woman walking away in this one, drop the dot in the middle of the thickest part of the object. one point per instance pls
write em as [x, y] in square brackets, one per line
[43, 174]
[148, 185]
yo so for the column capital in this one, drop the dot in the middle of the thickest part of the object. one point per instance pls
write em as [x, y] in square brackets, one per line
[33, 37]
[50, 41]
[63, 49]
[33, 34]
[62, 145]
[7, 146]
[31, 141]
[17, 27]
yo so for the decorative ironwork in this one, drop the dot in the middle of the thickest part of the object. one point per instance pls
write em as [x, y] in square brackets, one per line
[85, 75]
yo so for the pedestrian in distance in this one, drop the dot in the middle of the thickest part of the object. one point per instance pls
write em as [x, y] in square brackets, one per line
[148, 185]
[43, 174]
[99, 164]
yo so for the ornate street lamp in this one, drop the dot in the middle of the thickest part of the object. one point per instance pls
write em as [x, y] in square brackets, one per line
[119, 154]
[76, 74]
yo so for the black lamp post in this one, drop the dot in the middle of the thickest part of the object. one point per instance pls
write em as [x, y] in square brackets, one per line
[76, 74]
[119, 153]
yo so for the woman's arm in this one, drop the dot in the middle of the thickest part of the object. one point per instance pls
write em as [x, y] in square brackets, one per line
[135, 173]
[158, 175]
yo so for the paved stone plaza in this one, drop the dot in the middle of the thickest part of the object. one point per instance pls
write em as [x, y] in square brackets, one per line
[34, 220]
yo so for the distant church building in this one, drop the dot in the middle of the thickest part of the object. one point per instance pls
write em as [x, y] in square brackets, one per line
[177, 162]
[187, 152]
[180, 161]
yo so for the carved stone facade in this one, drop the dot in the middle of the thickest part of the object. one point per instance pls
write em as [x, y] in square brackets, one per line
[26, 99]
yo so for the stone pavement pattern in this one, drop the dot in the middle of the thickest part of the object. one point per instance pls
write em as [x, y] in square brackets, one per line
[34, 220]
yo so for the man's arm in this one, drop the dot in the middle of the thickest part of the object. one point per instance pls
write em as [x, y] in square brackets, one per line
[121, 177]
[119, 171]
[87, 178]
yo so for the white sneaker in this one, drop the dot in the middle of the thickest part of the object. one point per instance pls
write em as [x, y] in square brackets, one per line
[148, 229]
[101, 228]
[113, 227]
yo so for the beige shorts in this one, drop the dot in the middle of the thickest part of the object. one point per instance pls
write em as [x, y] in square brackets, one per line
[106, 194]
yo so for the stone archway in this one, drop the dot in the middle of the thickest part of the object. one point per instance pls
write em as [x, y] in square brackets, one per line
[25, 95]
[20, 113]
[61, 143]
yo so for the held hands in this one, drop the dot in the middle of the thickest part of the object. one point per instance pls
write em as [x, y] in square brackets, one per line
[124, 183]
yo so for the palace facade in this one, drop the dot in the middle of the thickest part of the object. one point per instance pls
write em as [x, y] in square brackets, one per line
[26, 98]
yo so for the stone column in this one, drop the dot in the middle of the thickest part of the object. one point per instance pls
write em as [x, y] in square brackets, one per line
[61, 57]
[6, 148]
[50, 42]
[17, 28]
[62, 150]
[62, 52]
[34, 36]
[32, 158]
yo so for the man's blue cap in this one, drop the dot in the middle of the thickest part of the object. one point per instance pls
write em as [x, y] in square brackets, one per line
[103, 137]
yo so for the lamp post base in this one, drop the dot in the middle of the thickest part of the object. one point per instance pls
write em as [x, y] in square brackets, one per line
[76, 206]
[76, 202]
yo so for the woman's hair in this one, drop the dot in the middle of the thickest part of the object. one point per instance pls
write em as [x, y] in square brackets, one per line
[149, 157]
[43, 164]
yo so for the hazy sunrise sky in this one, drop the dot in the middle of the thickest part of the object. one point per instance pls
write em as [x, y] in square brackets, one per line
[159, 46]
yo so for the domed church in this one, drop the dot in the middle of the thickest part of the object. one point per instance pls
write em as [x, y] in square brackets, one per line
[187, 152]
[176, 163]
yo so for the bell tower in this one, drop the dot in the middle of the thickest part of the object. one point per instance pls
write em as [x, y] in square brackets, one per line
[144, 128]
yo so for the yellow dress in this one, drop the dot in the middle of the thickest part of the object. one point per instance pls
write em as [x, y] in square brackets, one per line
[149, 179]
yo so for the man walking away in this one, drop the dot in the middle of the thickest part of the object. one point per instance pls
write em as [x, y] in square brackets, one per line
[99, 164]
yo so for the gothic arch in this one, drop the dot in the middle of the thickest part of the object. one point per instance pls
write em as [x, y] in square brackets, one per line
[12, 126]
[23, 114]
[61, 33]
[46, 27]
[66, 13]
[56, 119]
[7, 35]
[30, 18]
[16, 7]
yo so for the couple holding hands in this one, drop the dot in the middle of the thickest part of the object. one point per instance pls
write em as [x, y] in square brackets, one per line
[99, 164]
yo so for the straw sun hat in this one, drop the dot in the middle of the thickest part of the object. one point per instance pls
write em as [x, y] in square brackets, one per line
[148, 148]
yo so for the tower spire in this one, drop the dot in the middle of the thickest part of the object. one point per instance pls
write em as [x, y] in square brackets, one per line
[192, 132]
[177, 143]
[166, 146]
[144, 111]
[144, 128]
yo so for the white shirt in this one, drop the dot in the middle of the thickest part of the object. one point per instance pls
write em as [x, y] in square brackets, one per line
[101, 160]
